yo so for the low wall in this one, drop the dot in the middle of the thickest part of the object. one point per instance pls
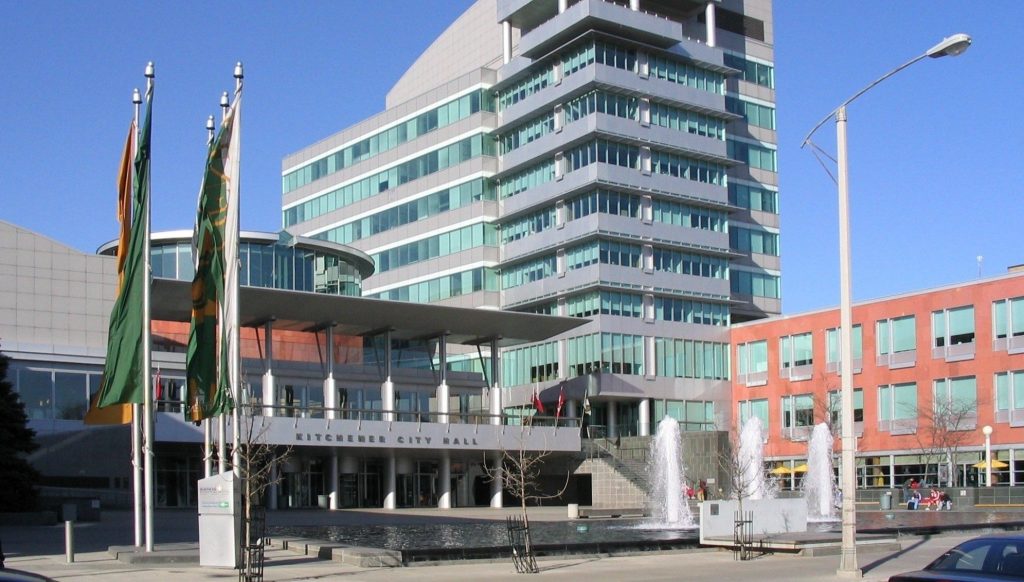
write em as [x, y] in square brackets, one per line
[770, 516]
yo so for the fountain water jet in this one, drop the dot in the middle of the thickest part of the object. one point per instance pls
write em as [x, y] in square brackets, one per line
[751, 460]
[666, 477]
[819, 481]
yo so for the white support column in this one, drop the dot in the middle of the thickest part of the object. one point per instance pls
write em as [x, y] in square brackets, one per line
[645, 417]
[506, 41]
[497, 501]
[570, 409]
[1013, 473]
[390, 482]
[613, 422]
[443, 392]
[387, 389]
[495, 395]
[563, 5]
[634, 5]
[269, 394]
[332, 490]
[709, 18]
[444, 485]
[330, 388]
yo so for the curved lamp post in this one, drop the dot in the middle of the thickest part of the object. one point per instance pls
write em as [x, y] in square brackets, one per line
[987, 431]
[950, 46]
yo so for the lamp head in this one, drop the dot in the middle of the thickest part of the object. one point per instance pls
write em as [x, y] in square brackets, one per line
[950, 46]
[986, 430]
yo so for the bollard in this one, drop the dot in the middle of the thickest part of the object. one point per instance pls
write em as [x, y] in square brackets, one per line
[69, 541]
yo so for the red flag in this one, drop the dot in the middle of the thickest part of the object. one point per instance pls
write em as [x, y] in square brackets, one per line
[157, 387]
[537, 403]
[561, 403]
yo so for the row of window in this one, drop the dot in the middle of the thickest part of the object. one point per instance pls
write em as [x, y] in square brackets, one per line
[898, 335]
[679, 358]
[751, 71]
[424, 165]
[441, 116]
[689, 121]
[422, 208]
[527, 178]
[440, 245]
[749, 240]
[687, 168]
[275, 266]
[605, 152]
[753, 113]
[605, 303]
[954, 405]
[690, 311]
[692, 415]
[605, 252]
[755, 284]
[527, 132]
[686, 74]
[463, 283]
[756, 156]
[672, 261]
[753, 197]
[618, 204]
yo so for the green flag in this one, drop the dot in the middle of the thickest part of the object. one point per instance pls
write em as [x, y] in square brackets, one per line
[208, 391]
[122, 371]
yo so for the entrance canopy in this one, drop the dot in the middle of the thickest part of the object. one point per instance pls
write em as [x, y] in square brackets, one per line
[356, 316]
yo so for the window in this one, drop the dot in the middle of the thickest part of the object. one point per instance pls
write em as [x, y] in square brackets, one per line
[750, 408]
[752, 363]
[897, 408]
[531, 364]
[753, 197]
[606, 352]
[833, 353]
[955, 403]
[953, 333]
[677, 358]
[692, 415]
[896, 341]
[797, 411]
[748, 240]
[1008, 324]
[835, 406]
[796, 351]
[1009, 397]
[754, 284]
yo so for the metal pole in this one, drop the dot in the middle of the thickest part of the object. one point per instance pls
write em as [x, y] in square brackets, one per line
[69, 541]
[235, 355]
[222, 431]
[848, 553]
[136, 408]
[147, 355]
[207, 428]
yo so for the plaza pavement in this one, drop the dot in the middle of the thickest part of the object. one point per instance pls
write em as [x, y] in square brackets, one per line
[40, 550]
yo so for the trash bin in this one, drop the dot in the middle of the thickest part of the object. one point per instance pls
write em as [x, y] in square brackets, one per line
[885, 501]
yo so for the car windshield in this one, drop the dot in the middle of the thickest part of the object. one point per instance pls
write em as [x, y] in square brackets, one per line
[990, 556]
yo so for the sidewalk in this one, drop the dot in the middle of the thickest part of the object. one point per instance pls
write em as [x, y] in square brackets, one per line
[40, 550]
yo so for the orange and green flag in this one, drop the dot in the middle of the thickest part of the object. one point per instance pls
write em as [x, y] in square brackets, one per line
[208, 388]
[122, 371]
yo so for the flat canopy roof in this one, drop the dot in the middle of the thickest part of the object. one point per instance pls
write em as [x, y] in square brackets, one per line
[305, 311]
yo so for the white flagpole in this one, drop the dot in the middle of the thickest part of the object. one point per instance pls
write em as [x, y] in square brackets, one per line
[221, 426]
[207, 452]
[231, 267]
[147, 356]
[136, 408]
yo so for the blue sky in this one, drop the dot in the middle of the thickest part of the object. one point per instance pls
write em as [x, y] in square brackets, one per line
[933, 151]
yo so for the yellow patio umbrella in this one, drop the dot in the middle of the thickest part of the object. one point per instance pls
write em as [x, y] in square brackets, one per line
[996, 464]
[800, 468]
[781, 470]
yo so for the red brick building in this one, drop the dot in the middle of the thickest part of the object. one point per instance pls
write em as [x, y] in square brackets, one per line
[931, 369]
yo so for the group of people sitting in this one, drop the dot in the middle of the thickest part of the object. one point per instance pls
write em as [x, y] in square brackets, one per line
[938, 499]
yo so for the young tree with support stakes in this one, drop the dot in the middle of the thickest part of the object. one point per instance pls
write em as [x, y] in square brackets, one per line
[519, 472]
[257, 462]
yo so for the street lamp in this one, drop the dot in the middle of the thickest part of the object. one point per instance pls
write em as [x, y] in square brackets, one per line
[987, 431]
[950, 46]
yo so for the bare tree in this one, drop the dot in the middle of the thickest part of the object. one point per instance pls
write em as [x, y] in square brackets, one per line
[257, 462]
[743, 474]
[519, 471]
[942, 431]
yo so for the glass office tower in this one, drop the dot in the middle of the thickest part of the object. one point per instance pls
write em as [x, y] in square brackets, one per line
[614, 161]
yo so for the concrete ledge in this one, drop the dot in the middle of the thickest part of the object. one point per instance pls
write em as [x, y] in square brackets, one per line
[351, 555]
[162, 554]
[599, 512]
